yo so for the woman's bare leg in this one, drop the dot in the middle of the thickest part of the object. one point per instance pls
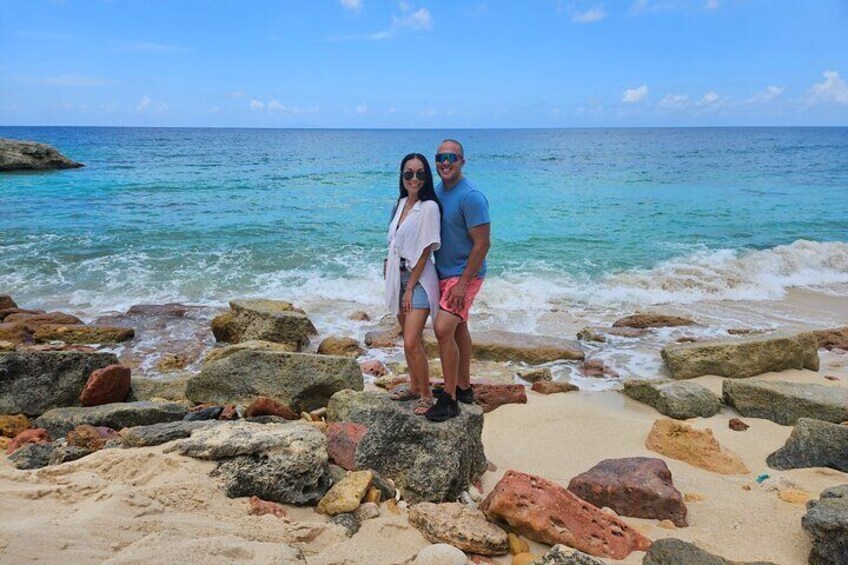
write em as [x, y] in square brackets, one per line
[416, 356]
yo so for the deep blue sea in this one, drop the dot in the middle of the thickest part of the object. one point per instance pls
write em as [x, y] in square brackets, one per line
[582, 218]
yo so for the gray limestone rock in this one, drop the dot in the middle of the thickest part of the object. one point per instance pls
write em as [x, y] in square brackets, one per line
[813, 443]
[564, 555]
[157, 434]
[68, 453]
[348, 521]
[826, 521]
[18, 155]
[32, 456]
[678, 400]
[60, 421]
[671, 551]
[785, 402]
[267, 320]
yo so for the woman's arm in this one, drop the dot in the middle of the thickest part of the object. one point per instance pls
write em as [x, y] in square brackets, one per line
[414, 276]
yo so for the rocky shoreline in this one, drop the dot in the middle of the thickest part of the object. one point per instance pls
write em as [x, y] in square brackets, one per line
[18, 155]
[293, 427]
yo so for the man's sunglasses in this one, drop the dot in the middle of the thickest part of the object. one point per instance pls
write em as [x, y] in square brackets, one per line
[420, 175]
[449, 157]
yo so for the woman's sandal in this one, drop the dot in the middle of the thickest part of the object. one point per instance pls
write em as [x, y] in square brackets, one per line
[403, 394]
[423, 405]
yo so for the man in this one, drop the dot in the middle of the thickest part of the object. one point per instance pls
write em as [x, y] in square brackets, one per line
[461, 265]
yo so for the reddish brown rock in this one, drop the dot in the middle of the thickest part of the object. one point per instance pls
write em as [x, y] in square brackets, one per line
[373, 367]
[831, 378]
[12, 425]
[4, 312]
[596, 368]
[342, 439]
[737, 425]
[640, 487]
[265, 406]
[229, 412]
[106, 385]
[836, 338]
[259, 507]
[649, 320]
[552, 387]
[488, 397]
[90, 437]
[26, 437]
[6, 302]
[383, 338]
[542, 510]
[15, 332]
[40, 319]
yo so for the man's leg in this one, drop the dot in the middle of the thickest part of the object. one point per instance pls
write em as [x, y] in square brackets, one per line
[449, 350]
[463, 342]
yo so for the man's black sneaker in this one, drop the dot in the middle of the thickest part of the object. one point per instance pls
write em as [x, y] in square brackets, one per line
[445, 408]
[465, 395]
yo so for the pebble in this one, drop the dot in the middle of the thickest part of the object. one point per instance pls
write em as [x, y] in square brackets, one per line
[475, 493]
[524, 558]
[366, 511]
[440, 554]
[517, 545]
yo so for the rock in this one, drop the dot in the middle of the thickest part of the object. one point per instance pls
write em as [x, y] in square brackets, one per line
[219, 353]
[543, 511]
[28, 155]
[345, 496]
[157, 434]
[342, 346]
[300, 380]
[168, 387]
[259, 507]
[107, 385]
[488, 397]
[342, 439]
[169, 310]
[264, 406]
[33, 382]
[564, 555]
[640, 487]
[543, 387]
[536, 375]
[373, 367]
[34, 319]
[360, 316]
[509, 346]
[460, 526]
[7, 345]
[67, 453]
[89, 437]
[826, 521]
[282, 463]
[170, 362]
[348, 521]
[699, 448]
[517, 545]
[60, 421]
[737, 425]
[428, 461]
[383, 338]
[367, 510]
[12, 425]
[6, 302]
[14, 333]
[32, 456]
[267, 320]
[678, 400]
[744, 357]
[204, 413]
[670, 551]
[82, 334]
[591, 334]
[27, 437]
[524, 558]
[440, 554]
[652, 320]
[596, 368]
[785, 402]
[836, 338]
[813, 443]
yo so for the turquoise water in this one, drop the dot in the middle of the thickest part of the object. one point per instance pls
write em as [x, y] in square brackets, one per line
[582, 216]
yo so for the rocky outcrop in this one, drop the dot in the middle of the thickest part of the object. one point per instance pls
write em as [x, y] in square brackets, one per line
[652, 320]
[460, 526]
[670, 551]
[742, 358]
[301, 381]
[218, 353]
[33, 382]
[785, 402]
[6, 302]
[18, 155]
[81, 334]
[826, 521]
[678, 400]
[640, 487]
[428, 461]
[813, 443]
[544, 511]
[266, 320]
[60, 421]
[696, 447]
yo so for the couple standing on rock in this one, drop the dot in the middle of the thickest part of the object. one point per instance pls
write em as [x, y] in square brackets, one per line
[450, 221]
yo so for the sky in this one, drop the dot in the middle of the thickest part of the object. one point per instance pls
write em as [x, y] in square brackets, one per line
[424, 63]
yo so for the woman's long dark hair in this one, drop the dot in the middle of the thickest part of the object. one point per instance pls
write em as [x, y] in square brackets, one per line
[427, 191]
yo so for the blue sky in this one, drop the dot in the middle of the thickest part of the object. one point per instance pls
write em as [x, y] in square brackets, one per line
[423, 63]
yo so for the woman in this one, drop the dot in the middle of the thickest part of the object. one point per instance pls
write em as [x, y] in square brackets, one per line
[412, 286]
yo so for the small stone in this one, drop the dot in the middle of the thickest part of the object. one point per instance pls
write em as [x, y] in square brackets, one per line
[831, 378]
[737, 425]
[440, 554]
[230, 412]
[319, 413]
[367, 511]
[524, 558]
[360, 316]
[88, 437]
[373, 496]
[38, 436]
[348, 522]
[208, 413]
[794, 496]
[373, 367]
[545, 387]
[265, 406]
[259, 507]
[392, 505]
[517, 545]
[537, 375]
[343, 346]
[12, 425]
[667, 525]
[345, 496]
[474, 493]
[172, 362]
[693, 497]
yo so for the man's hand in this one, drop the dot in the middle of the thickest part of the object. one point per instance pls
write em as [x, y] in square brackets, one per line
[456, 296]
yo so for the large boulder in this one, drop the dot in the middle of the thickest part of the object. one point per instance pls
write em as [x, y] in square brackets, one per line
[460, 526]
[640, 487]
[744, 357]
[60, 421]
[670, 551]
[644, 320]
[826, 521]
[80, 334]
[33, 382]
[544, 511]
[267, 320]
[813, 443]
[699, 448]
[428, 461]
[785, 402]
[284, 463]
[18, 155]
[510, 346]
[301, 381]
[678, 400]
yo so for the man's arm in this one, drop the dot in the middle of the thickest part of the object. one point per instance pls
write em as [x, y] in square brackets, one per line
[481, 236]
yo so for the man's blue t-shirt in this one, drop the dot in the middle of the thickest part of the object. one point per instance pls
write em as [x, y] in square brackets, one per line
[463, 207]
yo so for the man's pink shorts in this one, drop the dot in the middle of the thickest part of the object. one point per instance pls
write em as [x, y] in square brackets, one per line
[470, 292]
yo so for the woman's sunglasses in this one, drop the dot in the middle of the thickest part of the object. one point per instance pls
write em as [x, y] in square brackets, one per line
[420, 175]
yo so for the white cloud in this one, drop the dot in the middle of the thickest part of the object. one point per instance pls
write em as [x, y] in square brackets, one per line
[770, 93]
[143, 104]
[711, 5]
[634, 95]
[256, 105]
[832, 89]
[674, 101]
[418, 20]
[352, 5]
[361, 109]
[274, 105]
[589, 16]
[75, 80]
[652, 6]
[711, 100]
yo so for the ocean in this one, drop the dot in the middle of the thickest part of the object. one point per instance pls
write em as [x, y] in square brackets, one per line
[587, 224]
